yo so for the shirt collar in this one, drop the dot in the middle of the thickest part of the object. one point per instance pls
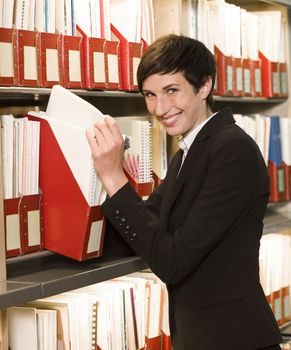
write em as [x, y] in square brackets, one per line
[186, 141]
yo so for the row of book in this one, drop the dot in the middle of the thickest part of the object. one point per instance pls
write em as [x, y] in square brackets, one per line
[131, 312]
[249, 47]
[38, 59]
[75, 43]
[63, 213]
[126, 313]
[275, 272]
[94, 16]
[250, 53]
[273, 136]
[20, 154]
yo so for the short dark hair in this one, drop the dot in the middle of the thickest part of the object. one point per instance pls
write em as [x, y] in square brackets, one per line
[177, 53]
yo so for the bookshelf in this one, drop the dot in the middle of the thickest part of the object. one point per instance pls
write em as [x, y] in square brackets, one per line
[42, 274]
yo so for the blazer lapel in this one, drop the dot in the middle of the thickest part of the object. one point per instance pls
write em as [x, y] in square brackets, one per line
[220, 120]
[171, 179]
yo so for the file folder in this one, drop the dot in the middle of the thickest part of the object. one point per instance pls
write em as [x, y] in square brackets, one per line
[225, 76]
[8, 50]
[270, 77]
[73, 62]
[275, 164]
[130, 55]
[95, 62]
[49, 59]
[71, 227]
[23, 225]
[26, 53]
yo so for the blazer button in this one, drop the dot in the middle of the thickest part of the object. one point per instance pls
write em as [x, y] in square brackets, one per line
[132, 237]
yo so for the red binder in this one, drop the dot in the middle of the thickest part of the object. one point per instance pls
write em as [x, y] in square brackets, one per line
[71, 227]
[49, 59]
[277, 182]
[256, 78]
[95, 61]
[157, 180]
[130, 54]
[285, 297]
[277, 306]
[143, 189]
[166, 342]
[8, 72]
[283, 79]
[238, 76]
[287, 178]
[225, 76]
[154, 343]
[12, 227]
[113, 68]
[247, 82]
[73, 61]
[26, 52]
[23, 225]
[270, 77]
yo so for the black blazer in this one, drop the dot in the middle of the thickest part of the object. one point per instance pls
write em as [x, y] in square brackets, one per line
[200, 233]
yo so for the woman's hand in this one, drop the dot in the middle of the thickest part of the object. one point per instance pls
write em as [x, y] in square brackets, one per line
[107, 146]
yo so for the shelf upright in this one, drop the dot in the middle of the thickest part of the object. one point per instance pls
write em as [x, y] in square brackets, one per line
[3, 318]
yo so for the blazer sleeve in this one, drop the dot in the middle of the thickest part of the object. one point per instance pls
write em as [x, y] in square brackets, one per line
[231, 185]
[115, 245]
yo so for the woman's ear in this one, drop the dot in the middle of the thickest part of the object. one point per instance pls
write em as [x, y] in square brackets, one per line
[206, 88]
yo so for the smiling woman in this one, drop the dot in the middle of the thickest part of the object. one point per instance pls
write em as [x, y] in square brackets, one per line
[196, 230]
[172, 99]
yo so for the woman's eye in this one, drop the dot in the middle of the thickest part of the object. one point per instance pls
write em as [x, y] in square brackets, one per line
[148, 95]
[172, 91]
